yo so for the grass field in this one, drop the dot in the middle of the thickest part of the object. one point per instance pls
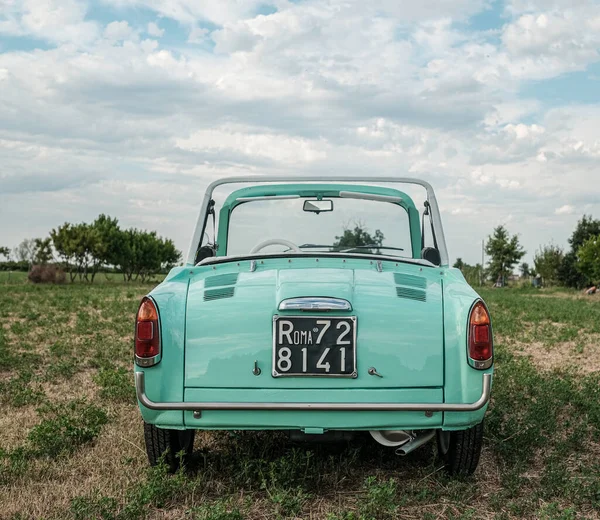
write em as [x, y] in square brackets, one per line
[71, 441]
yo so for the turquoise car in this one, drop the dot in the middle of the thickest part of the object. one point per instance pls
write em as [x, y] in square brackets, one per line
[320, 306]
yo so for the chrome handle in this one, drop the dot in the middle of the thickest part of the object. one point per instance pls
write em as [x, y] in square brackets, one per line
[373, 372]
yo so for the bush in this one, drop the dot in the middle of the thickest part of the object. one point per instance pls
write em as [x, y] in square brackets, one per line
[14, 266]
[46, 274]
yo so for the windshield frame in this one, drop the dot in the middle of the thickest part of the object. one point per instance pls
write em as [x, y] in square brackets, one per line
[339, 192]
[264, 186]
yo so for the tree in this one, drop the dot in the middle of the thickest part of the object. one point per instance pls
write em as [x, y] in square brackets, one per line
[63, 239]
[473, 274]
[569, 273]
[459, 264]
[525, 270]
[25, 251]
[107, 243]
[504, 252]
[359, 238]
[76, 244]
[144, 254]
[547, 262]
[587, 228]
[5, 251]
[589, 259]
[43, 251]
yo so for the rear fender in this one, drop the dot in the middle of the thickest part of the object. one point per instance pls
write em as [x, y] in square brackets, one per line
[462, 383]
[164, 381]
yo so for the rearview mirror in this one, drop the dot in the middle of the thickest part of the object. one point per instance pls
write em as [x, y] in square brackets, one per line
[317, 206]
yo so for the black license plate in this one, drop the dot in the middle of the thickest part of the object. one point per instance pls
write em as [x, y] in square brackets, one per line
[314, 346]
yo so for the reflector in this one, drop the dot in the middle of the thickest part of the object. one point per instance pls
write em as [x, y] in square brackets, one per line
[145, 330]
[482, 334]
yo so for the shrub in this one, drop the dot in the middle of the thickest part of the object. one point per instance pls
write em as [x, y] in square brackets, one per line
[46, 274]
[14, 266]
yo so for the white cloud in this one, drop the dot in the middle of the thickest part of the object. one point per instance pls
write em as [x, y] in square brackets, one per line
[279, 148]
[548, 43]
[54, 20]
[119, 31]
[154, 30]
[363, 88]
[565, 210]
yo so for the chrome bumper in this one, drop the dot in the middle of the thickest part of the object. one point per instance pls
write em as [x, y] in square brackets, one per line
[140, 388]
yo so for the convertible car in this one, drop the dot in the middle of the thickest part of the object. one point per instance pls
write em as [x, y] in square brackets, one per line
[319, 306]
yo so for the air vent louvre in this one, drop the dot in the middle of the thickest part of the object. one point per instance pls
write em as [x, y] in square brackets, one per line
[217, 294]
[411, 294]
[410, 280]
[220, 280]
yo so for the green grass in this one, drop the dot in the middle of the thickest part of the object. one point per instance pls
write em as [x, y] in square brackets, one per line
[71, 425]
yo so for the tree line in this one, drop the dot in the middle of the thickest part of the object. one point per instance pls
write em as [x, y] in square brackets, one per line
[578, 267]
[83, 250]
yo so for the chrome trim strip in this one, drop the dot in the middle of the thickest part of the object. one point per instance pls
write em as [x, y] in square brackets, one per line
[268, 197]
[369, 196]
[211, 260]
[146, 362]
[354, 407]
[437, 221]
[315, 303]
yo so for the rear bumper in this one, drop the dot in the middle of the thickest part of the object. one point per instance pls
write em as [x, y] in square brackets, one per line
[198, 407]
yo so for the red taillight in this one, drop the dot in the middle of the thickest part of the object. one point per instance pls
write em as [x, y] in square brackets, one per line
[147, 337]
[481, 348]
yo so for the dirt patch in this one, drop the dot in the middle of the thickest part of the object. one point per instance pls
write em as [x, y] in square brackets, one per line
[81, 385]
[15, 424]
[569, 296]
[583, 355]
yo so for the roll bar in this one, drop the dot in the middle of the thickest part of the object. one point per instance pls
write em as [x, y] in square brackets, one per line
[202, 217]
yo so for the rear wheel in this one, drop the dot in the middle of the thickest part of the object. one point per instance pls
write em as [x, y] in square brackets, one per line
[460, 450]
[161, 441]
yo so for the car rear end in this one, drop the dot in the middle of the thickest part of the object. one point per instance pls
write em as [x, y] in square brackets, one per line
[317, 343]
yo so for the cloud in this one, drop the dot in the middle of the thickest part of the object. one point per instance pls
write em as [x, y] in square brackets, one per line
[545, 44]
[59, 21]
[154, 30]
[133, 121]
[119, 31]
[565, 210]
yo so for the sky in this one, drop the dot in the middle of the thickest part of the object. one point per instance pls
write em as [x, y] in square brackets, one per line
[131, 107]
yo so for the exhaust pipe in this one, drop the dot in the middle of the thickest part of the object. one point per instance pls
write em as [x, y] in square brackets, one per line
[391, 438]
[419, 439]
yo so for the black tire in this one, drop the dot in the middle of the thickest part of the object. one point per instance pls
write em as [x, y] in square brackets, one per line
[161, 441]
[460, 450]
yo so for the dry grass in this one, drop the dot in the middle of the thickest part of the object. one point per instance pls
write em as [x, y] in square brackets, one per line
[539, 459]
[582, 356]
[113, 463]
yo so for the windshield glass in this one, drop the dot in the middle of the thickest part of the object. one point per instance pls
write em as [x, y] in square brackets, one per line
[351, 226]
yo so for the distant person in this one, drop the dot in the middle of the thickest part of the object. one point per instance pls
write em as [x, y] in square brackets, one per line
[591, 290]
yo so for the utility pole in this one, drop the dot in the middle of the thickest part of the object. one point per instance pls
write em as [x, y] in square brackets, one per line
[482, 259]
